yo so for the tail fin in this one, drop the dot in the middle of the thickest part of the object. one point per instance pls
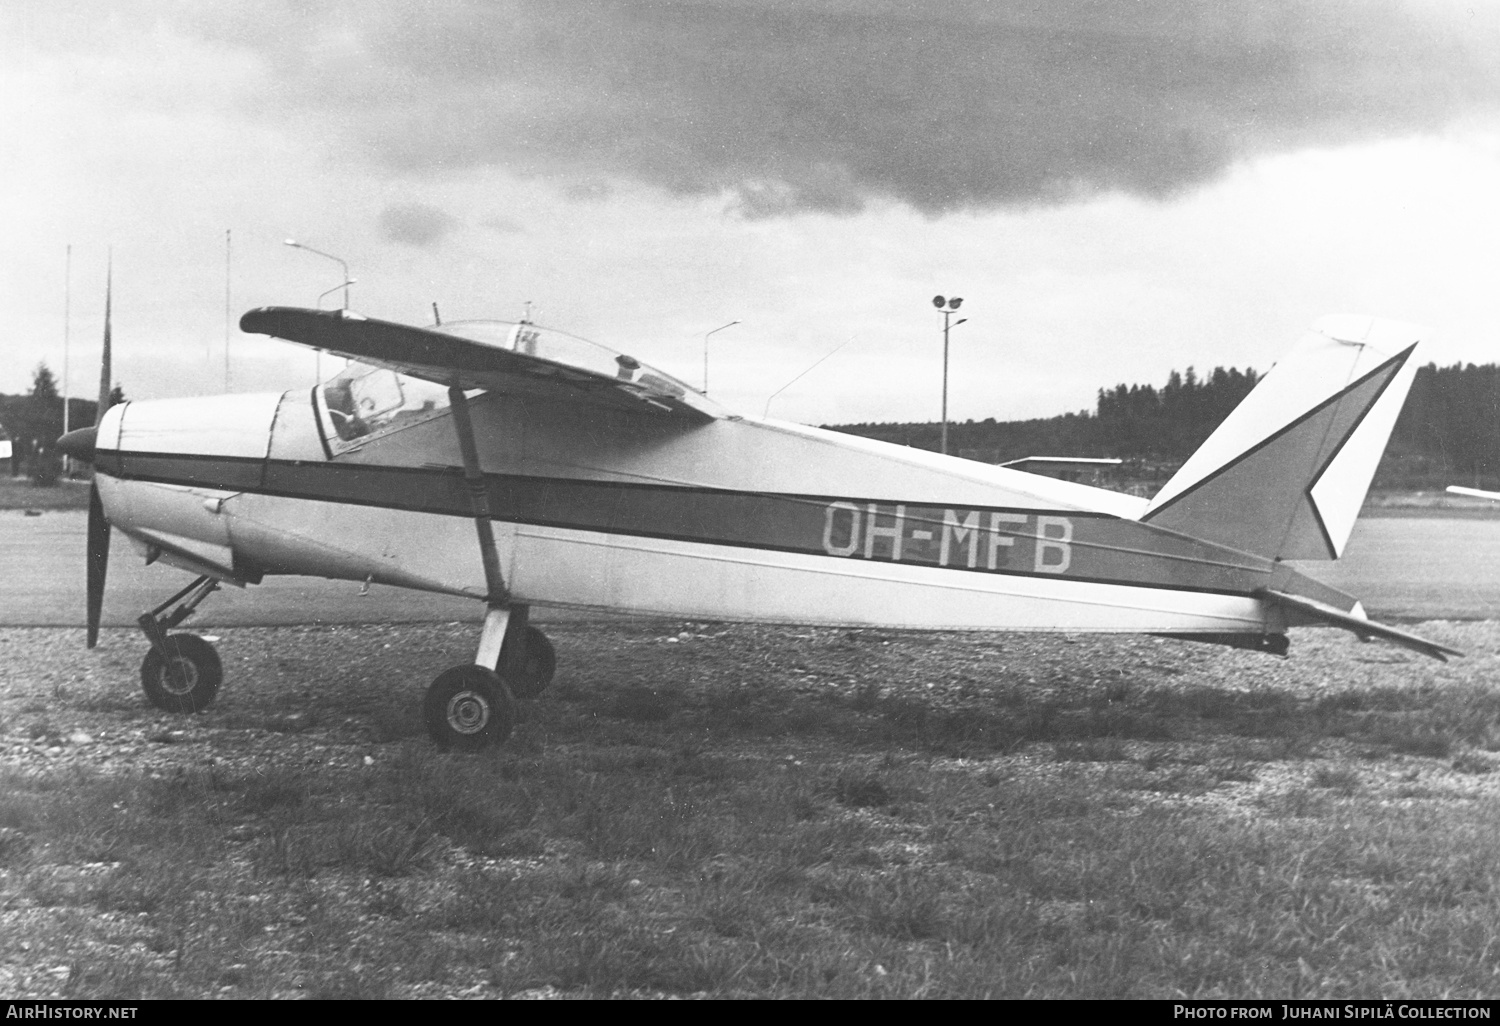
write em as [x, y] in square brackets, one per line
[1285, 475]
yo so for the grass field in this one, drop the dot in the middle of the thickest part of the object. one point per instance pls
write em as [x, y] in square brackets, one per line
[20, 493]
[700, 809]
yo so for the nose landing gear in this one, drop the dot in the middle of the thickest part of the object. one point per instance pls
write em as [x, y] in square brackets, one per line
[181, 673]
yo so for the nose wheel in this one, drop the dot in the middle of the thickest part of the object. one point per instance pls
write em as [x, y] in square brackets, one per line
[468, 708]
[186, 678]
[181, 672]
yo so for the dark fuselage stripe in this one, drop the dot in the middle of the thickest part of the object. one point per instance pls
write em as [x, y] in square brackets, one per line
[1057, 544]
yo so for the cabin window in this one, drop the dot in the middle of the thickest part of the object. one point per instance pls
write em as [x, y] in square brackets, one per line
[362, 402]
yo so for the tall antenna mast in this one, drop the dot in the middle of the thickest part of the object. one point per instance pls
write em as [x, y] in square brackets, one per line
[226, 308]
[67, 312]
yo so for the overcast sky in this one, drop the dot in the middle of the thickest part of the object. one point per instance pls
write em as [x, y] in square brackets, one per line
[1116, 188]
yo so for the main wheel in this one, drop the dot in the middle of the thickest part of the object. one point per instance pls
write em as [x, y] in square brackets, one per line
[537, 665]
[187, 680]
[468, 708]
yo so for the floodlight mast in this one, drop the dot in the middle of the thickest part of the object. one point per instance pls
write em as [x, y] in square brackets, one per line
[947, 306]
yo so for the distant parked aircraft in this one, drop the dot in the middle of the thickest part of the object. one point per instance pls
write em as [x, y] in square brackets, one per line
[1477, 493]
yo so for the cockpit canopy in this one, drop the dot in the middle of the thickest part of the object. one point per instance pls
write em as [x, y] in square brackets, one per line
[363, 400]
[568, 351]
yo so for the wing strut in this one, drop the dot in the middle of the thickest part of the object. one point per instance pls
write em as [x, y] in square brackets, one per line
[501, 617]
[479, 500]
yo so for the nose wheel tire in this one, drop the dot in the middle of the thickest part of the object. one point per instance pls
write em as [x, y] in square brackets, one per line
[187, 680]
[536, 667]
[468, 708]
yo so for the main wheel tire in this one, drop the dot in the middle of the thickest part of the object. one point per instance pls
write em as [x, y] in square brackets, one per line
[468, 708]
[537, 666]
[187, 680]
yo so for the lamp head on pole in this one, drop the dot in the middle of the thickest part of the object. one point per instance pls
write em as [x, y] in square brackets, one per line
[336, 259]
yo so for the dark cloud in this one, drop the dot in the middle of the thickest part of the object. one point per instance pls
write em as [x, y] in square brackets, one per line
[415, 224]
[826, 104]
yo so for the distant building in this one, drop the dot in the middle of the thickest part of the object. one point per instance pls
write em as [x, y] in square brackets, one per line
[1135, 476]
[1100, 472]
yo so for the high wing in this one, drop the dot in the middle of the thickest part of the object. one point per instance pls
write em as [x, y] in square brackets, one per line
[520, 359]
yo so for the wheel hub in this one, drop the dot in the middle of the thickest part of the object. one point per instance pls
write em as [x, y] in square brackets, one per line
[468, 712]
[180, 677]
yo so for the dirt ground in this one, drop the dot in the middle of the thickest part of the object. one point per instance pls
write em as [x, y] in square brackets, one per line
[881, 723]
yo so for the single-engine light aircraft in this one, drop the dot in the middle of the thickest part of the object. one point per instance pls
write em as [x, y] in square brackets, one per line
[521, 465]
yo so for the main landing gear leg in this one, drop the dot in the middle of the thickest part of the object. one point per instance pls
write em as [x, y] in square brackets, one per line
[181, 673]
[469, 708]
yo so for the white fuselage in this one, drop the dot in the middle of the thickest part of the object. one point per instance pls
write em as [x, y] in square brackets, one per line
[736, 519]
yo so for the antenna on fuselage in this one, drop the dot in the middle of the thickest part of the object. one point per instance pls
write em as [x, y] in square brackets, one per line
[437, 318]
[228, 320]
[799, 377]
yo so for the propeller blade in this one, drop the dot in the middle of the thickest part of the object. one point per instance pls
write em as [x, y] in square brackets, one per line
[98, 563]
[98, 533]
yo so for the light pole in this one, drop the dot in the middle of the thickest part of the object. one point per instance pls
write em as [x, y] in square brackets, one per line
[947, 306]
[67, 308]
[347, 280]
[705, 351]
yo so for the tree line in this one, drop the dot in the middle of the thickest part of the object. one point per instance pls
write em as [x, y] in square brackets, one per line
[1448, 431]
[33, 422]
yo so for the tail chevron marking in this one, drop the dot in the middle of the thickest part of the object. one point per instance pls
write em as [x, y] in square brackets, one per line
[1293, 493]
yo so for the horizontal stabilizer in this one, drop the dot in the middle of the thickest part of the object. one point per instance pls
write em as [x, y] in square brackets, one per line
[1322, 612]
